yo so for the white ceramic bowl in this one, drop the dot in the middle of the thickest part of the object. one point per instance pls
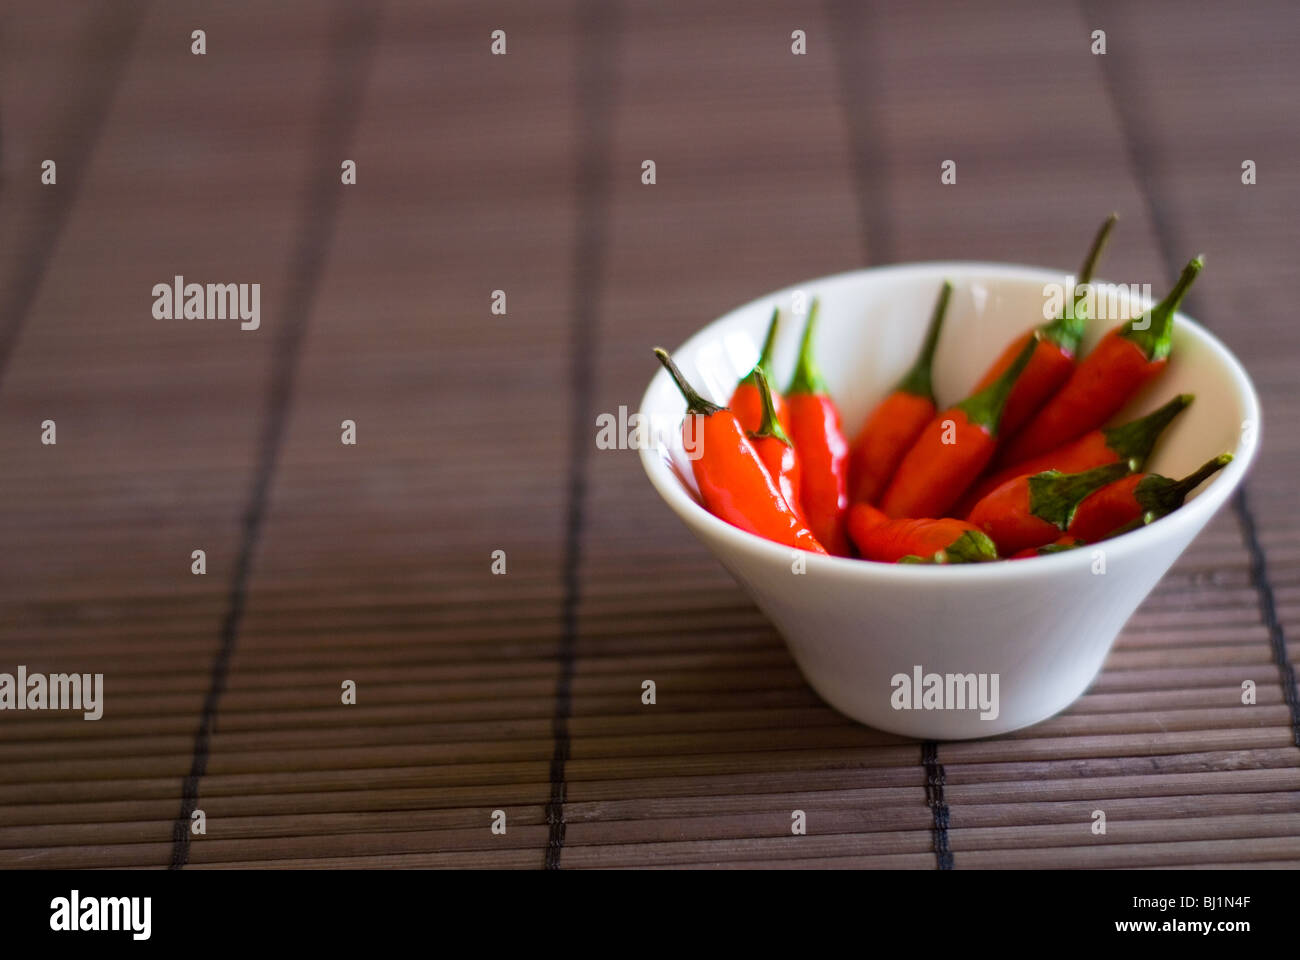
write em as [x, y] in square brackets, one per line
[1041, 626]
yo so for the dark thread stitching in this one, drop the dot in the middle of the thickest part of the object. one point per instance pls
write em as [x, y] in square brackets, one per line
[340, 108]
[1139, 161]
[596, 75]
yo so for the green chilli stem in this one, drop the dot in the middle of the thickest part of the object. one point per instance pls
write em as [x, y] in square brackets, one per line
[973, 546]
[694, 402]
[1159, 496]
[1055, 496]
[1134, 441]
[919, 381]
[769, 348]
[807, 377]
[985, 408]
[769, 426]
[1156, 328]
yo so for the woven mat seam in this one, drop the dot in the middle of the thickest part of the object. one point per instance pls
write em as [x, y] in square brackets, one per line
[353, 46]
[1143, 171]
[598, 32]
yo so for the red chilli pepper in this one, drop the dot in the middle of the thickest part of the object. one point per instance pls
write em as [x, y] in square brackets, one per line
[952, 450]
[733, 482]
[1136, 500]
[1131, 442]
[1032, 511]
[745, 402]
[775, 449]
[1126, 359]
[879, 538]
[1053, 359]
[897, 420]
[820, 445]
[1060, 545]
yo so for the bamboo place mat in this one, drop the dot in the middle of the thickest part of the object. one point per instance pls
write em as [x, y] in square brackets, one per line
[371, 563]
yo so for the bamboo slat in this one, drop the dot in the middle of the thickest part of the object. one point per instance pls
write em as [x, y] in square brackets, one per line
[372, 562]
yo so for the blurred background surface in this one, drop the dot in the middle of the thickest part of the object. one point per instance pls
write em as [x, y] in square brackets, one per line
[475, 431]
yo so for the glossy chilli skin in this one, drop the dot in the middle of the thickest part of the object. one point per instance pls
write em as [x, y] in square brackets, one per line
[823, 452]
[1136, 500]
[1033, 511]
[734, 484]
[746, 406]
[1059, 545]
[888, 435]
[1131, 442]
[775, 449]
[898, 420]
[1114, 371]
[1049, 368]
[951, 451]
[1108, 510]
[783, 466]
[821, 448]
[886, 540]
[1053, 359]
[1128, 357]
[746, 402]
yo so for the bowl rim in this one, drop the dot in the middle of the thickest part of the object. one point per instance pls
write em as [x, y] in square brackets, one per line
[1193, 515]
